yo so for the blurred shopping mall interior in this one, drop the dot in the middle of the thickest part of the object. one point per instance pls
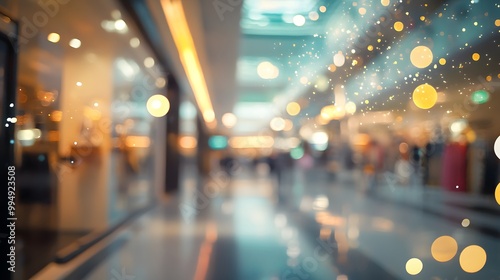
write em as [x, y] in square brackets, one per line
[250, 139]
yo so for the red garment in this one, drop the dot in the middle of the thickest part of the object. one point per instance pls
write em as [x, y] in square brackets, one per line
[454, 167]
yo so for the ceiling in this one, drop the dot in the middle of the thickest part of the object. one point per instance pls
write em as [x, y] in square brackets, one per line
[301, 38]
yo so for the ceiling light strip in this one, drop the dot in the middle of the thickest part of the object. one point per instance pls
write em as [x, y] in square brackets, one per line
[177, 23]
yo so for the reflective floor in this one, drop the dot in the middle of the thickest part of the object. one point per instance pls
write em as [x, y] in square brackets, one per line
[315, 225]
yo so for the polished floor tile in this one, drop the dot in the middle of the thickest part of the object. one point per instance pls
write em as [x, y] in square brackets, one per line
[316, 228]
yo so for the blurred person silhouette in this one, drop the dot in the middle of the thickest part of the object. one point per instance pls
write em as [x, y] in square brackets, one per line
[416, 163]
[402, 167]
[374, 164]
[227, 163]
[303, 170]
[306, 162]
[281, 166]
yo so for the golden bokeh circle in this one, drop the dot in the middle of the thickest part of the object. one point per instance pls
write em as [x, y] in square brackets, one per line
[425, 96]
[472, 258]
[476, 56]
[398, 26]
[421, 57]
[444, 248]
[293, 108]
[442, 61]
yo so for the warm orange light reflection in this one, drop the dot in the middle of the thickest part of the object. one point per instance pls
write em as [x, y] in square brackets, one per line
[332, 112]
[472, 259]
[242, 142]
[206, 252]
[293, 108]
[56, 116]
[137, 141]
[383, 224]
[53, 136]
[92, 113]
[325, 233]
[188, 142]
[327, 219]
[444, 248]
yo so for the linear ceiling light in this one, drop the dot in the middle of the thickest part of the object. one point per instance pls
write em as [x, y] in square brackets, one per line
[177, 23]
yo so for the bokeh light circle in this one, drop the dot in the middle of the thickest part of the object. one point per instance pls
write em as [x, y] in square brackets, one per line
[277, 124]
[480, 97]
[322, 83]
[313, 16]
[496, 147]
[473, 258]
[266, 70]
[398, 26]
[229, 120]
[465, 222]
[476, 56]
[339, 59]
[414, 266]
[421, 57]
[425, 96]
[299, 20]
[293, 108]
[444, 248]
[158, 105]
[350, 107]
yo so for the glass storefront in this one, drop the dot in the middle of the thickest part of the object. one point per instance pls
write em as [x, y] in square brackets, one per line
[85, 139]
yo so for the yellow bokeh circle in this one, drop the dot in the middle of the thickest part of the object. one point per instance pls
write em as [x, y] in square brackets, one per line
[472, 258]
[414, 266]
[421, 57]
[398, 26]
[476, 56]
[442, 61]
[444, 248]
[425, 96]
[293, 108]
[158, 105]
